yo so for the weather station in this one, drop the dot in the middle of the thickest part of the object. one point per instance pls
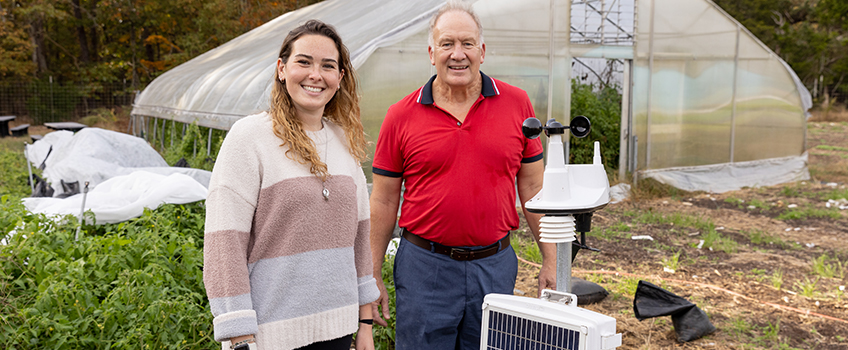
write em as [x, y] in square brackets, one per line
[570, 194]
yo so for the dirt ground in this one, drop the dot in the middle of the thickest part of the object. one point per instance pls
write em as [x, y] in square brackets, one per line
[735, 289]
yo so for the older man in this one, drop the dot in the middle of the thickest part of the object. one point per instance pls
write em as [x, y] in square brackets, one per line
[457, 143]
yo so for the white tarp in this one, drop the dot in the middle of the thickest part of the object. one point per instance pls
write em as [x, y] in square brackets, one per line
[726, 177]
[124, 197]
[124, 173]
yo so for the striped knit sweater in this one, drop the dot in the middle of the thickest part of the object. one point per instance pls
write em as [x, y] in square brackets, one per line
[280, 261]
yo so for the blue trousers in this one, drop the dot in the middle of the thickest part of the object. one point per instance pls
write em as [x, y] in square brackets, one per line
[439, 300]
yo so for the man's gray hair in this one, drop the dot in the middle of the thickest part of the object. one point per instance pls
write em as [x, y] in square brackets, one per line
[455, 5]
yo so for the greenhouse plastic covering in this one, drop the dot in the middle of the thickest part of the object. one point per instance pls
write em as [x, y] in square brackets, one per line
[704, 91]
[124, 173]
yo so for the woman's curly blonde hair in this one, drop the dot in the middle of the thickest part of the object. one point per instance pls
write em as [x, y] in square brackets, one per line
[342, 109]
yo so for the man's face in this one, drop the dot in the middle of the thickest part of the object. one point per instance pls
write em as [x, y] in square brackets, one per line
[457, 51]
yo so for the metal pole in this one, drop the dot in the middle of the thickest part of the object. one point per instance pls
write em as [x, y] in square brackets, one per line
[209, 144]
[564, 267]
[635, 160]
[82, 211]
[650, 83]
[29, 168]
[733, 97]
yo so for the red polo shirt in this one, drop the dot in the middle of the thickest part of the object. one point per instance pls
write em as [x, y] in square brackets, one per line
[460, 177]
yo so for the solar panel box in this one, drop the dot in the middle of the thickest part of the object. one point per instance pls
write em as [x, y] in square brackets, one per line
[552, 322]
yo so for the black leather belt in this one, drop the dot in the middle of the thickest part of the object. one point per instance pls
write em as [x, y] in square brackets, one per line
[460, 254]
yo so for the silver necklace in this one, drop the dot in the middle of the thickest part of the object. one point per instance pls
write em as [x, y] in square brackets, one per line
[325, 191]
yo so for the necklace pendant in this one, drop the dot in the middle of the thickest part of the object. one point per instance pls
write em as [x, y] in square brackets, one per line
[326, 194]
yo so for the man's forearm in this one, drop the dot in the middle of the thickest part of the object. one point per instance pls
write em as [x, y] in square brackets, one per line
[382, 227]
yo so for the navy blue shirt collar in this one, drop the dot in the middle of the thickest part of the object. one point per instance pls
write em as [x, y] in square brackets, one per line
[426, 95]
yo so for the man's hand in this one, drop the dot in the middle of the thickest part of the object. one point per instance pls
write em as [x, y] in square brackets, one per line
[547, 276]
[382, 301]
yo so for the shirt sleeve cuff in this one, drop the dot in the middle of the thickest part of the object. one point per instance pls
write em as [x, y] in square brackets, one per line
[234, 324]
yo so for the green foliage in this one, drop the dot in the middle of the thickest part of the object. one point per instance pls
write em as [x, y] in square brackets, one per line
[15, 50]
[715, 240]
[52, 101]
[603, 108]
[828, 267]
[808, 212]
[132, 285]
[526, 248]
[192, 145]
[761, 237]
[777, 278]
[672, 262]
[112, 41]
[807, 288]
[832, 148]
[384, 337]
[13, 173]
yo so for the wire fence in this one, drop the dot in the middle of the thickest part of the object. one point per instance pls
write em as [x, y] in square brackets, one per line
[48, 101]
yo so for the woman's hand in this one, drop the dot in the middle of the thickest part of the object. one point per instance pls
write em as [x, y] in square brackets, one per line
[364, 337]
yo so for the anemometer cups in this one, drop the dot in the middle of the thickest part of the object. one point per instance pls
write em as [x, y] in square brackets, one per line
[532, 127]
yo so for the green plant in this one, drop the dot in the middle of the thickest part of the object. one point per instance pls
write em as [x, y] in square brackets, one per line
[526, 248]
[51, 101]
[602, 105]
[777, 278]
[740, 327]
[133, 285]
[832, 148]
[715, 240]
[789, 191]
[807, 288]
[807, 212]
[673, 262]
[13, 171]
[761, 237]
[384, 337]
[759, 204]
[734, 201]
[823, 267]
[100, 115]
[191, 146]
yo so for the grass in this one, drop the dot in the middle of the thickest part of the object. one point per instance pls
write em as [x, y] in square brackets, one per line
[761, 237]
[648, 188]
[807, 288]
[827, 267]
[776, 278]
[810, 212]
[832, 148]
[716, 241]
[672, 262]
[526, 248]
[675, 219]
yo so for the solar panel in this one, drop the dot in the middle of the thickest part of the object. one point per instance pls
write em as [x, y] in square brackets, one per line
[512, 323]
[507, 332]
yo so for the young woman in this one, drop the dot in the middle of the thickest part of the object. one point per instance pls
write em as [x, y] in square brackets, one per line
[287, 258]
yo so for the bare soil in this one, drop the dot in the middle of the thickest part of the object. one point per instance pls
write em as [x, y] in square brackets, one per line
[735, 288]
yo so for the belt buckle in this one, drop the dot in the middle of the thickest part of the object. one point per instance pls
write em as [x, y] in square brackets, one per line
[459, 254]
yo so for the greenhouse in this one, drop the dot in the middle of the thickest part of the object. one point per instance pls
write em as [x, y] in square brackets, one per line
[705, 105]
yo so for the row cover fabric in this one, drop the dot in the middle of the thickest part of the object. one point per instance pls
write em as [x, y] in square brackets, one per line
[726, 177]
[124, 197]
[122, 170]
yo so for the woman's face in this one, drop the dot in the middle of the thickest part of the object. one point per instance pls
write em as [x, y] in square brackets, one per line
[312, 74]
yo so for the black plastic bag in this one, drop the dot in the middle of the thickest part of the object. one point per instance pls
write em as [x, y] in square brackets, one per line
[40, 188]
[587, 292]
[69, 189]
[690, 322]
